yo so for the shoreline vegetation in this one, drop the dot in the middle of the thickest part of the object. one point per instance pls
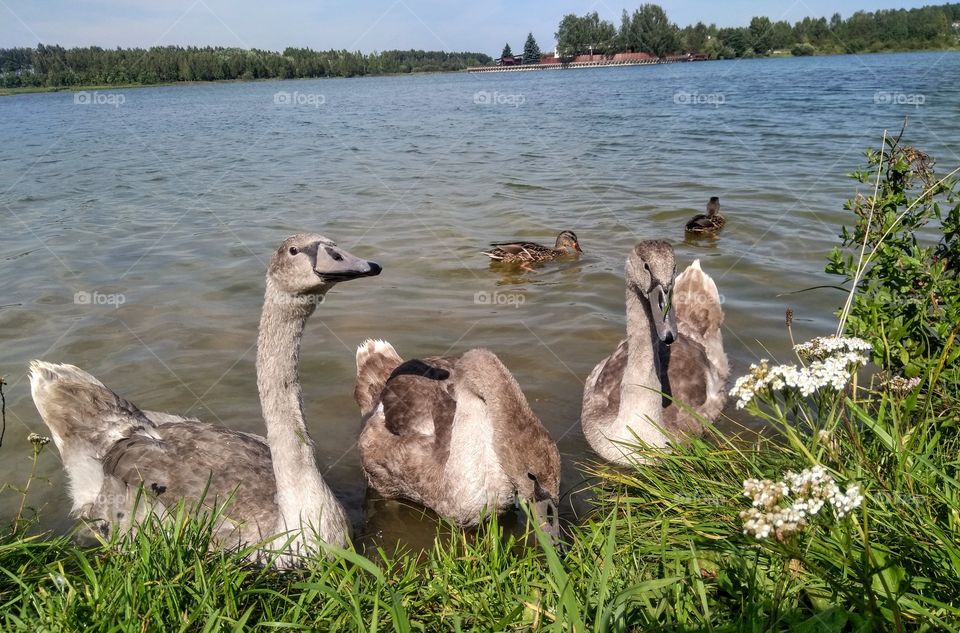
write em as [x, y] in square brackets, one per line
[646, 30]
[844, 517]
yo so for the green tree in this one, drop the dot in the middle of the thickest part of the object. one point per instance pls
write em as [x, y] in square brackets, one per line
[569, 37]
[761, 30]
[781, 35]
[736, 40]
[649, 30]
[580, 35]
[694, 38]
[531, 52]
[506, 51]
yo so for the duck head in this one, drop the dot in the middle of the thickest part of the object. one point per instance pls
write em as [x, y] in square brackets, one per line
[567, 241]
[713, 206]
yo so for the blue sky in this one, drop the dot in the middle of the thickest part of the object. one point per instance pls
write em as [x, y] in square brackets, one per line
[363, 25]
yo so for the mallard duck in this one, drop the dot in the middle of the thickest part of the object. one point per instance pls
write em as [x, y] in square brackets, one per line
[711, 222]
[526, 253]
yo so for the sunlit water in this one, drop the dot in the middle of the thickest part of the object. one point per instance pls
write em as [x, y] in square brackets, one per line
[176, 197]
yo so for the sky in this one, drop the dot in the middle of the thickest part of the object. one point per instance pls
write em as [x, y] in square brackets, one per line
[363, 25]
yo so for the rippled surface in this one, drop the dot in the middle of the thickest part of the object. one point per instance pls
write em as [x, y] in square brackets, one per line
[176, 198]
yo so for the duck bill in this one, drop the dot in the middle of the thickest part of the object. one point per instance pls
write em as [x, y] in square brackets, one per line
[576, 246]
[664, 316]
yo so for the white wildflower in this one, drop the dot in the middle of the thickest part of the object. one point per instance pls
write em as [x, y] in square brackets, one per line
[808, 491]
[844, 503]
[902, 386]
[764, 494]
[38, 440]
[832, 361]
[824, 347]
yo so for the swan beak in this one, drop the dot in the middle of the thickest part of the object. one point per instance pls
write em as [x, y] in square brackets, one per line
[576, 245]
[664, 317]
[546, 516]
[345, 267]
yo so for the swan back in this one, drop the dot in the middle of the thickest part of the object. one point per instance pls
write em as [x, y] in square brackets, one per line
[85, 419]
[376, 360]
[453, 433]
[527, 453]
[700, 314]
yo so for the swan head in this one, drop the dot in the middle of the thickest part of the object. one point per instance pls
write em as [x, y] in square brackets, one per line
[567, 241]
[542, 490]
[650, 271]
[309, 264]
[713, 206]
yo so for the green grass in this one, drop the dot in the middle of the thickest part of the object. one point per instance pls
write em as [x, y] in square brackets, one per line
[662, 551]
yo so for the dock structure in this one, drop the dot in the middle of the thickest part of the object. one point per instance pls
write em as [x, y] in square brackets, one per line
[531, 67]
[553, 62]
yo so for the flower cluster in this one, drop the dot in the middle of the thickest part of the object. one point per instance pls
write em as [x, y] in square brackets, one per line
[832, 361]
[824, 347]
[902, 386]
[38, 440]
[808, 490]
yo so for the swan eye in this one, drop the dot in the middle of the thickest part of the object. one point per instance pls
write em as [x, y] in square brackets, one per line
[294, 250]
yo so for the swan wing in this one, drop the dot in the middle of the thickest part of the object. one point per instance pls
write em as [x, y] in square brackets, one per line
[159, 417]
[689, 381]
[199, 462]
[419, 399]
[376, 360]
[601, 394]
[83, 415]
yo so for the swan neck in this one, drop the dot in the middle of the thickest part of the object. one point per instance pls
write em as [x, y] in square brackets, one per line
[641, 381]
[302, 494]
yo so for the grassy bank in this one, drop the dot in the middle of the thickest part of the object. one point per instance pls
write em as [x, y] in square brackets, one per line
[845, 517]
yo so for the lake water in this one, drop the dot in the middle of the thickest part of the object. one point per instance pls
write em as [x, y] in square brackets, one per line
[174, 198]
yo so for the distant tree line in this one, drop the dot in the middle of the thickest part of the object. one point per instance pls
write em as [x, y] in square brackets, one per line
[58, 66]
[648, 30]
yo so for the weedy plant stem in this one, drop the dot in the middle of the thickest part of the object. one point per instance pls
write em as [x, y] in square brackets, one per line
[3, 412]
[863, 263]
[26, 488]
[863, 247]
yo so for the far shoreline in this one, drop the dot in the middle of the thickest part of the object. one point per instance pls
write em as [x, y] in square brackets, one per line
[12, 92]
